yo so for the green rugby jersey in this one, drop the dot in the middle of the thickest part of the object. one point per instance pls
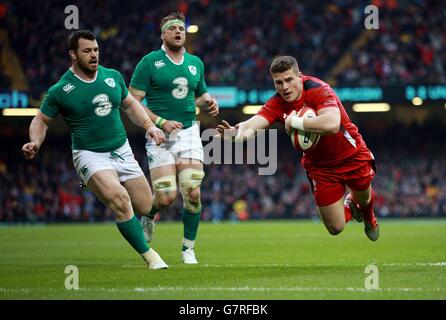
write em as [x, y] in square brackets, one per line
[170, 88]
[90, 109]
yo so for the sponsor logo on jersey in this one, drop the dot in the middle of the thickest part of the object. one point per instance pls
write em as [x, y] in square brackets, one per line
[181, 89]
[192, 70]
[159, 64]
[68, 87]
[104, 105]
[110, 82]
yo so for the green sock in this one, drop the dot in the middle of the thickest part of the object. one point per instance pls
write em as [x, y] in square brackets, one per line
[131, 230]
[152, 212]
[190, 222]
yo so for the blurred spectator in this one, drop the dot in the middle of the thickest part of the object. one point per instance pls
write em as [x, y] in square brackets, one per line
[217, 208]
[5, 82]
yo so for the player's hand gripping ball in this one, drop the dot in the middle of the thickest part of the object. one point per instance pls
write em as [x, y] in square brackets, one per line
[303, 140]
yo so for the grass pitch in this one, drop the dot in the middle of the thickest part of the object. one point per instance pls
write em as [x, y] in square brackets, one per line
[253, 260]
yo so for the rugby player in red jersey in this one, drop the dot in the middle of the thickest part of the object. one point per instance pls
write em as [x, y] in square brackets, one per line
[339, 161]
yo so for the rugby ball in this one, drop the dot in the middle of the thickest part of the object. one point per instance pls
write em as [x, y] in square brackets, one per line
[303, 140]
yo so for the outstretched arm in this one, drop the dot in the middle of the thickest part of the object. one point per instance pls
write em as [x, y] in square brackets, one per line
[243, 130]
[37, 133]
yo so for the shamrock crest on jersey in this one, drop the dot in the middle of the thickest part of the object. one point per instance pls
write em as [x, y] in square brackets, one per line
[110, 82]
[104, 105]
[193, 70]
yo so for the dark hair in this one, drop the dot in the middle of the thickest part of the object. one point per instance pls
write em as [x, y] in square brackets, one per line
[73, 39]
[172, 16]
[284, 63]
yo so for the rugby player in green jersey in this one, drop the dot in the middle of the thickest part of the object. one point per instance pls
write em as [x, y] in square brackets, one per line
[89, 98]
[172, 81]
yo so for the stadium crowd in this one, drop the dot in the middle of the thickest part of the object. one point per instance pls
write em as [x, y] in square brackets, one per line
[407, 48]
[411, 182]
[5, 82]
[237, 40]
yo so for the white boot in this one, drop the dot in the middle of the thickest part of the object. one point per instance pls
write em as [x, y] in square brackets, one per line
[189, 256]
[154, 260]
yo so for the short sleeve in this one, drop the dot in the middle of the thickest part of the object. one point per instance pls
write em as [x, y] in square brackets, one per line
[268, 112]
[141, 76]
[322, 97]
[201, 88]
[50, 104]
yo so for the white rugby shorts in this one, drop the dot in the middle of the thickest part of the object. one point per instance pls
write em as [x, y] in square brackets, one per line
[185, 144]
[122, 160]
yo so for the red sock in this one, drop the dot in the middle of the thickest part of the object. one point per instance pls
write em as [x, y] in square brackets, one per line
[368, 209]
[347, 213]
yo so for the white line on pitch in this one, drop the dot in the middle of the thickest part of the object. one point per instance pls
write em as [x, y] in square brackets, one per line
[229, 289]
[424, 264]
[281, 265]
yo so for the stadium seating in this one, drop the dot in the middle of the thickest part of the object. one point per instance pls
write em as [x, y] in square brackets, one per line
[237, 40]
[408, 48]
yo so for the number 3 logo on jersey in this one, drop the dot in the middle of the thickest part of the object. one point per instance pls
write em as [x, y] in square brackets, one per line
[104, 105]
[180, 92]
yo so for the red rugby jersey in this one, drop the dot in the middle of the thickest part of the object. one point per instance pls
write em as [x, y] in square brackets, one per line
[333, 149]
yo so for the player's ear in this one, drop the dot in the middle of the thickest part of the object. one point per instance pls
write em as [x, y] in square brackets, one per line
[72, 54]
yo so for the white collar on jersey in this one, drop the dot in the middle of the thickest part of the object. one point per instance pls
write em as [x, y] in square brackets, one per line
[183, 50]
[86, 81]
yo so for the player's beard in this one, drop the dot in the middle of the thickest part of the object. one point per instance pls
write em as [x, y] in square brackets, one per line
[174, 47]
[86, 68]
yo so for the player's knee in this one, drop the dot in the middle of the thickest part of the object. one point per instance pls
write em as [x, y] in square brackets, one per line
[335, 229]
[362, 198]
[190, 180]
[363, 201]
[194, 195]
[192, 201]
[166, 199]
[192, 206]
[165, 190]
[142, 208]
